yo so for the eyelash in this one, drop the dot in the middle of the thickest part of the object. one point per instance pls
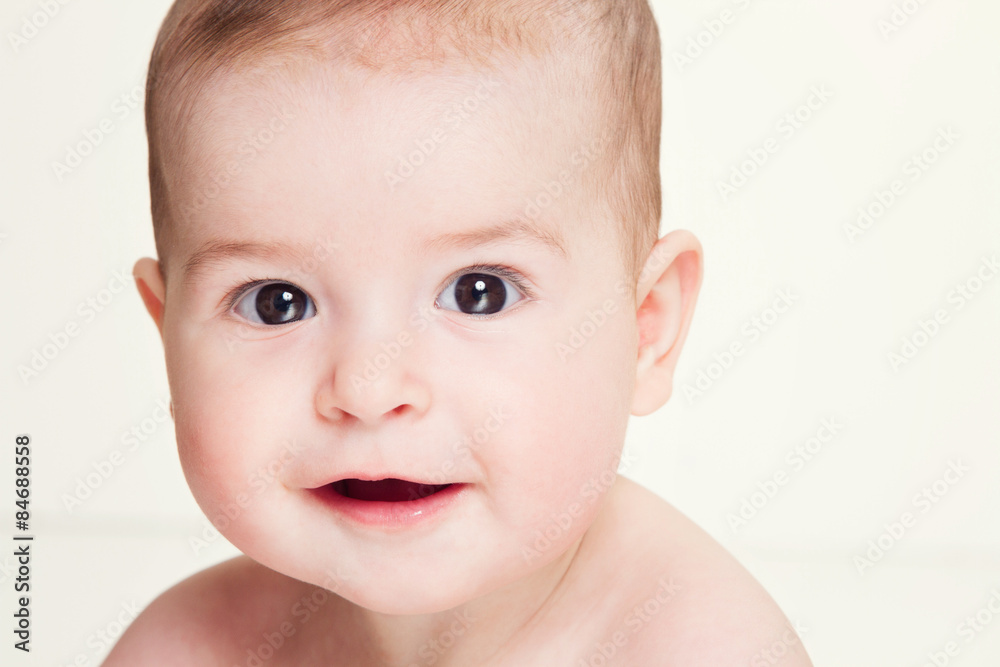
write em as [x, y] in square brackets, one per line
[505, 272]
[238, 292]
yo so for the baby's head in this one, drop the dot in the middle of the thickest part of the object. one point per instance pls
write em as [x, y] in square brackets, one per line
[584, 76]
[402, 241]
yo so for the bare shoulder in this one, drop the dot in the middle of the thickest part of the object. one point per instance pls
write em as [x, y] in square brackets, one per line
[694, 604]
[205, 619]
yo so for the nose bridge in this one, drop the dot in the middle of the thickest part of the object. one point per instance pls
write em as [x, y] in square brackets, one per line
[373, 372]
[379, 360]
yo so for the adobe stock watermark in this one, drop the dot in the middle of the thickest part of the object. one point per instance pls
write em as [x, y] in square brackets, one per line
[581, 160]
[795, 460]
[900, 15]
[968, 630]
[434, 649]
[256, 484]
[378, 363]
[634, 622]
[253, 144]
[712, 29]
[76, 153]
[786, 127]
[41, 357]
[105, 468]
[928, 329]
[751, 332]
[457, 115]
[32, 24]
[922, 502]
[101, 640]
[306, 607]
[595, 318]
[584, 332]
[303, 610]
[322, 251]
[590, 493]
[462, 450]
[913, 170]
[8, 568]
[781, 647]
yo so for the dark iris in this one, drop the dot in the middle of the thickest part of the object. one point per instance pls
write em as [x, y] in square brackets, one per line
[480, 294]
[280, 303]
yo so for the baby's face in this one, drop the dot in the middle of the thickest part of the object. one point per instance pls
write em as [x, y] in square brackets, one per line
[383, 288]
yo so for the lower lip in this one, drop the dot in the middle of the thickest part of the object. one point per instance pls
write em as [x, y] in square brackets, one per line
[379, 514]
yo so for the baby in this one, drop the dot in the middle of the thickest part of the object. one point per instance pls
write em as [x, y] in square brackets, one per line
[410, 289]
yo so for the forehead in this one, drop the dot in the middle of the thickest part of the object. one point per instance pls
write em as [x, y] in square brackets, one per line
[321, 147]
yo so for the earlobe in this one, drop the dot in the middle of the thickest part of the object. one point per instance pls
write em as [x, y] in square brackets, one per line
[152, 288]
[668, 289]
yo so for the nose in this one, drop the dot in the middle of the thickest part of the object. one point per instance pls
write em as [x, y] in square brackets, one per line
[373, 382]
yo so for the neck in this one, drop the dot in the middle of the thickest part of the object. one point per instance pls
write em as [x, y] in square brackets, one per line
[481, 630]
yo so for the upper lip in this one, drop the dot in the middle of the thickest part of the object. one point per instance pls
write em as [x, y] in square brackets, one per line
[374, 477]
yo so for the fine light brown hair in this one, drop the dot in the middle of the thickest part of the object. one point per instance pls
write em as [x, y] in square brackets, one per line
[618, 39]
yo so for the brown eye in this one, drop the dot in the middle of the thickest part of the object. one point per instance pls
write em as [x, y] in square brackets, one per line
[479, 294]
[274, 304]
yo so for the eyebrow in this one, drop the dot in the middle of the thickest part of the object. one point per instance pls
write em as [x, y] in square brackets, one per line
[218, 251]
[513, 230]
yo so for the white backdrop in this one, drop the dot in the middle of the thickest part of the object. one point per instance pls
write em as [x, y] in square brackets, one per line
[840, 161]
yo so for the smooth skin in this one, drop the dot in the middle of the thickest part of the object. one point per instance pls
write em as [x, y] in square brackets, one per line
[547, 557]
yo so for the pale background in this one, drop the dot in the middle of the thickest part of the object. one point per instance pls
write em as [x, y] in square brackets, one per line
[61, 242]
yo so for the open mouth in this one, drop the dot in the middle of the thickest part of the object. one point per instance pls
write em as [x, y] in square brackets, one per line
[389, 504]
[385, 490]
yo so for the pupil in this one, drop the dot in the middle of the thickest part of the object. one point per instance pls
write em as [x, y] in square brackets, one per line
[277, 304]
[480, 294]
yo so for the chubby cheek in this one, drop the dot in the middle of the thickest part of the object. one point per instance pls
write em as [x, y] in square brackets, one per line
[229, 427]
[560, 451]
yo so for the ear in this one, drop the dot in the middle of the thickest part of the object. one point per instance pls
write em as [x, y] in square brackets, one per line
[152, 288]
[667, 291]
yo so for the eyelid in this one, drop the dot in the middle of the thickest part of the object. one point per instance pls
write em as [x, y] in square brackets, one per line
[520, 283]
[238, 293]
[505, 272]
[233, 297]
